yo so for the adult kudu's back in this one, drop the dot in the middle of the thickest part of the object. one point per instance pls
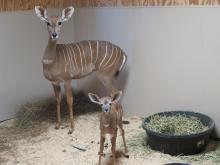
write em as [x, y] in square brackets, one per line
[64, 62]
[76, 60]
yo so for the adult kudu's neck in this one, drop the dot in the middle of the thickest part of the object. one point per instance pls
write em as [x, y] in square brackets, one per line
[50, 52]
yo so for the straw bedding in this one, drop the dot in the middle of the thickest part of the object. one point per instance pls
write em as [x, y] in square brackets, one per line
[30, 138]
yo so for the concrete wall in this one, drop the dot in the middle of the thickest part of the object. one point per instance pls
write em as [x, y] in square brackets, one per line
[22, 42]
[174, 56]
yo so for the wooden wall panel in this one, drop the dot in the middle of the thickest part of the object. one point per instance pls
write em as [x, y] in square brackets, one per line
[14, 5]
[169, 2]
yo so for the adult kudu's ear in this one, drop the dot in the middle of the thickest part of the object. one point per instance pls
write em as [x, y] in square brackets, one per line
[116, 96]
[94, 98]
[67, 13]
[41, 13]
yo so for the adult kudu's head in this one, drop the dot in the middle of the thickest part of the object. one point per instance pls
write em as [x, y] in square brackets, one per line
[54, 23]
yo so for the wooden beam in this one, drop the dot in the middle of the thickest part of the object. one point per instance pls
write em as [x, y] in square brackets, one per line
[15, 5]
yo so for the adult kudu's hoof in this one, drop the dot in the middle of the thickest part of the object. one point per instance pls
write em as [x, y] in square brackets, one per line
[126, 154]
[70, 131]
[57, 126]
[71, 128]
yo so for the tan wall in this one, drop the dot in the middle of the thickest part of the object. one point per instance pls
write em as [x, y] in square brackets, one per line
[22, 42]
[173, 53]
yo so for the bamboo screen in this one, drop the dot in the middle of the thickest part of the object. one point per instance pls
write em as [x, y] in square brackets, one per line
[14, 5]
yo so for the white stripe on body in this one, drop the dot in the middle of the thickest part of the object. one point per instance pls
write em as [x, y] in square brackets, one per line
[106, 50]
[123, 62]
[116, 56]
[97, 50]
[73, 56]
[68, 57]
[72, 68]
[109, 57]
[80, 56]
[65, 61]
[84, 56]
[91, 53]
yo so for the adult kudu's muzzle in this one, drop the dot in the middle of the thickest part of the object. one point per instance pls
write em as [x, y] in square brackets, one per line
[54, 35]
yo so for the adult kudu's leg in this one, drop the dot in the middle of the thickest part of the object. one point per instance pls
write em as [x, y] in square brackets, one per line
[57, 92]
[69, 98]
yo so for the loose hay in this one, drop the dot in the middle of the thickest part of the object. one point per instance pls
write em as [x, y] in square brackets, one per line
[175, 125]
[4, 146]
[40, 121]
[213, 156]
[139, 147]
[34, 119]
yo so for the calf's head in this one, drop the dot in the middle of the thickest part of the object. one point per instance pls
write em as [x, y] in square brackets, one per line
[105, 102]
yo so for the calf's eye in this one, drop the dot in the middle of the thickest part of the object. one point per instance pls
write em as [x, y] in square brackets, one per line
[48, 24]
[59, 23]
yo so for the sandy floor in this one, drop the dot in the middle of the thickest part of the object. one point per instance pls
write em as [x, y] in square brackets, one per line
[54, 147]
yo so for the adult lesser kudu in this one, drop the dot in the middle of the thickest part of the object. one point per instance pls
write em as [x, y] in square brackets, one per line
[64, 62]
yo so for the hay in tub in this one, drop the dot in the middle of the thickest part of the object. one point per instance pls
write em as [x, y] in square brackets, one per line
[175, 125]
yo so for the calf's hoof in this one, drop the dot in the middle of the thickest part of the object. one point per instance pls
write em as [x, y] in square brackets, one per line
[101, 154]
[126, 155]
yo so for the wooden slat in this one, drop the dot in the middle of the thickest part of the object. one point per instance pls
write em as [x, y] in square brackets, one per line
[14, 5]
[6, 5]
[169, 2]
[104, 3]
[23, 4]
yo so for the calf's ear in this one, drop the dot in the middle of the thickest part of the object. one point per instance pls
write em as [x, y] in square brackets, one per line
[94, 98]
[116, 96]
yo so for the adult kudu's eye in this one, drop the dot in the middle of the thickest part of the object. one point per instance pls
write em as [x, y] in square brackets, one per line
[59, 23]
[48, 24]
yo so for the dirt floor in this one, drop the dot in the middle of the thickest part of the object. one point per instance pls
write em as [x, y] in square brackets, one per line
[47, 146]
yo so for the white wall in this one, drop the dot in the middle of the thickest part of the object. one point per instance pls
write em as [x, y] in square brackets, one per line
[22, 42]
[174, 55]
